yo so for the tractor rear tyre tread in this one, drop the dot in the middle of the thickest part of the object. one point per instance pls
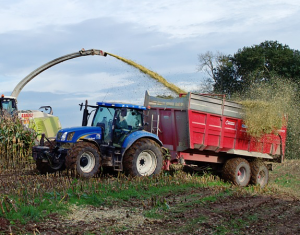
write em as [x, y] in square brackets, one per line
[73, 159]
[259, 173]
[132, 154]
[237, 170]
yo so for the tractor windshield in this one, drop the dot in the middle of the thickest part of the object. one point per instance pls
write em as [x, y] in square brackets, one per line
[104, 117]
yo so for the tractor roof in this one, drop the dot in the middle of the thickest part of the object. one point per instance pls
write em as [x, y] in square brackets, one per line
[121, 105]
[7, 97]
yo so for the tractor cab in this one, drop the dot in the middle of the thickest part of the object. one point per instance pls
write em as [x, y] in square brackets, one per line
[8, 104]
[118, 121]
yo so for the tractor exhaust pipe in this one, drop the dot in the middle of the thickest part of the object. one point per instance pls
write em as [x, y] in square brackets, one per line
[85, 114]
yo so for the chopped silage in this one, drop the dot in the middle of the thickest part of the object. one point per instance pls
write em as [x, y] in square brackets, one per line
[270, 105]
[261, 117]
[150, 73]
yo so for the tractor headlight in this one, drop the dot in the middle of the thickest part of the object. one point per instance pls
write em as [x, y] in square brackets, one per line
[70, 136]
[63, 137]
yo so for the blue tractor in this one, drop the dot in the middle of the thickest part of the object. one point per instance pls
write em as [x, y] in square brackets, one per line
[116, 139]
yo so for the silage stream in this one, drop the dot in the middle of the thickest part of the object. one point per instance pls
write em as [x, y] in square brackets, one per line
[150, 73]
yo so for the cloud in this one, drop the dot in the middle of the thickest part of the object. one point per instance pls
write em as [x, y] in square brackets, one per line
[165, 36]
[193, 18]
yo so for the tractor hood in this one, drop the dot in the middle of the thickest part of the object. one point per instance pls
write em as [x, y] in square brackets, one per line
[74, 134]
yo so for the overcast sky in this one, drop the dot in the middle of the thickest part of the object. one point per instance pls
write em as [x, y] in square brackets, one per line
[165, 36]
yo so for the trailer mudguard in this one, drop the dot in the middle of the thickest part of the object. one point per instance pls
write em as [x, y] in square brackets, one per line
[138, 135]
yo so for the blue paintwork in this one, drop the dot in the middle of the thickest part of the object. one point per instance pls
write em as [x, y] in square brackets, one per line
[135, 136]
[120, 105]
[83, 132]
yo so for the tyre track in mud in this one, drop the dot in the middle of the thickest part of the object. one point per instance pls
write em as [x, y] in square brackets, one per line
[259, 215]
[203, 210]
[230, 215]
[233, 212]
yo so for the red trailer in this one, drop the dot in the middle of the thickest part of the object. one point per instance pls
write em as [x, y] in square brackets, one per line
[199, 129]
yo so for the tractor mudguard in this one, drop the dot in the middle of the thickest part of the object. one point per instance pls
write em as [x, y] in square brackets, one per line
[133, 137]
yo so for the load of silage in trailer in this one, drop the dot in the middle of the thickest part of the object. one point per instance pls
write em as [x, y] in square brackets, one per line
[270, 105]
[261, 117]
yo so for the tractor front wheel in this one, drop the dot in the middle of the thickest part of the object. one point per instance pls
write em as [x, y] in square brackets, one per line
[237, 170]
[143, 158]
[85, 159]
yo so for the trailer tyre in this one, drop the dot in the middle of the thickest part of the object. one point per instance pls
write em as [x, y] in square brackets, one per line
[143, 158]
[259, 173]
[237, 170]
[84, 158]
[45, 167]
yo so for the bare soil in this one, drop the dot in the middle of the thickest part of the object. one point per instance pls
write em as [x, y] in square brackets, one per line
[274, 210]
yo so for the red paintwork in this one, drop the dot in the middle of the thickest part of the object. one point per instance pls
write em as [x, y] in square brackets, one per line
[213, 132]
[210, 132]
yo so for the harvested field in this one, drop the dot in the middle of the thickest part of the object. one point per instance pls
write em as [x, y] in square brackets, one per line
[179, 204]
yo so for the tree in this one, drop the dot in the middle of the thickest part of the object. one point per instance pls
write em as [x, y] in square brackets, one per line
[227, 80]
[209, 63]
[267, 72]
[250, 65]
[268, 59]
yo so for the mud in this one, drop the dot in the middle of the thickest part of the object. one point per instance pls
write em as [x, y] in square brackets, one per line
[244, 214]
[204, 210]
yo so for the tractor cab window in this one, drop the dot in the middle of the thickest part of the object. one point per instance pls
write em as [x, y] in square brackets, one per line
[104, 118]
[121, 119]
[129, 119]
[8, 105]
[134, 119]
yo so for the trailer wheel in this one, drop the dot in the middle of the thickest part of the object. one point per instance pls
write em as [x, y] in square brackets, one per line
[84, 158]
[143, 158]
[237, 170]
[45, 167]
[259, 173]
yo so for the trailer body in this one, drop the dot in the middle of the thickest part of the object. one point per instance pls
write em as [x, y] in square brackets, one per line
[202, 128]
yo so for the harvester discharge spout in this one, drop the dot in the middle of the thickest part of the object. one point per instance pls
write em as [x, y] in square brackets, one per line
[48, 65]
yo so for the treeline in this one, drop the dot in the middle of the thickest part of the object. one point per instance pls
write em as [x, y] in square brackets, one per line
[264, 73]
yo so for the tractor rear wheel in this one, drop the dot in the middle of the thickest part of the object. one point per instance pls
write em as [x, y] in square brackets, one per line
[46, 167]
[143, 158]
[84, 158]
[237, 170]
[259, 173]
